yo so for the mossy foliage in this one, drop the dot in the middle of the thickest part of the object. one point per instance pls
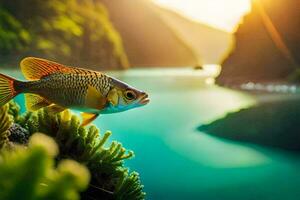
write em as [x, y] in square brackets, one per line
[109, 178]
[30, 174]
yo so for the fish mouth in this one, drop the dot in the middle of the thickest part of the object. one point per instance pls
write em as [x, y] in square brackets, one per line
[144, 100]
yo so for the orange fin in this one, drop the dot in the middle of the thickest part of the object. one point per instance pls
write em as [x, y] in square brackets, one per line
[87, 118]
[36, 68]
[55, 109]
[35, 102]
[7, 90]
[94, 98]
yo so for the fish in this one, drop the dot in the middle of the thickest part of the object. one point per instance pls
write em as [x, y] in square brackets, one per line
[57, 87]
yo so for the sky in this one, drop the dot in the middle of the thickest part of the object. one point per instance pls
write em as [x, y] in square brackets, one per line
[223, 14]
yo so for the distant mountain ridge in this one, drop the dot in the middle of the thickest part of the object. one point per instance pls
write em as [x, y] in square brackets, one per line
[210, 44]
[155, 36]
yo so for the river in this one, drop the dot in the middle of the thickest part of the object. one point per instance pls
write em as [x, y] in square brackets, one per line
[176, 161]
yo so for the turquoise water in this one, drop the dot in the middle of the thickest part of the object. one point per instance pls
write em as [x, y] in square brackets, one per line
[176, 161]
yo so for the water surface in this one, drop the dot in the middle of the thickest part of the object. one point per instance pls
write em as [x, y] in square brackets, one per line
[177, 162]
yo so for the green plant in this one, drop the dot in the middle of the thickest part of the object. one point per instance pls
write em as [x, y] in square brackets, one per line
[72, 31]
[30, 174]
[13, 36]
[109, 178]
[5, 123]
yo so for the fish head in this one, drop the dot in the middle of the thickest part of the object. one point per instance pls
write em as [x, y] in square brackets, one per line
[122, 97]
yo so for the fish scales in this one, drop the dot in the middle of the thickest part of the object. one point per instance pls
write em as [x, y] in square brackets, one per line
[70, 88]
[89, 92]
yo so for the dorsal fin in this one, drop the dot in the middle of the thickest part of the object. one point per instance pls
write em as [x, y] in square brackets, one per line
[36, 68]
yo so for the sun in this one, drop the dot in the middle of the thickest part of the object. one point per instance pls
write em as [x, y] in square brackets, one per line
[223, 14]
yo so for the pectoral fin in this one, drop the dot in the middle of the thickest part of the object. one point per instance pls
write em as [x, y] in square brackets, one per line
[87, 118]
[35, 102]
[113, 97]
[94, 99]
[55, 109]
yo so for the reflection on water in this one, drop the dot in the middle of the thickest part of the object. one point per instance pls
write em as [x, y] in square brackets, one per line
[176, 161]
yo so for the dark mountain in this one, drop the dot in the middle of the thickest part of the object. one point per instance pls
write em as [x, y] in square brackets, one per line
[256, 56]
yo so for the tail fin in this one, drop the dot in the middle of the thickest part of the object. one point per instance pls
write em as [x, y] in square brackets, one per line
[7, 89]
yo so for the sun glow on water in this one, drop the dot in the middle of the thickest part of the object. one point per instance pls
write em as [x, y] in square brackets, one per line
[223, 14]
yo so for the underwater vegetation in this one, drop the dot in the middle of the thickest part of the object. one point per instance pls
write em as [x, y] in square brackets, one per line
[32, 168]
[274, 124]
[30, 173]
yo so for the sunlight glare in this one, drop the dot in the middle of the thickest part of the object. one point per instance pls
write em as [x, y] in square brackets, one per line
[223, 14]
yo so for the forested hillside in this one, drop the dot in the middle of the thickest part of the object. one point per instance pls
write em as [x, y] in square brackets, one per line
[69, 31]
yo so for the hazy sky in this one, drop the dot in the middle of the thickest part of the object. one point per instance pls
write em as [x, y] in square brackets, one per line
[224, 14]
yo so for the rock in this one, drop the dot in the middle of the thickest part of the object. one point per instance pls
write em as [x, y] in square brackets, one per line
[18, 134]
[256, 57]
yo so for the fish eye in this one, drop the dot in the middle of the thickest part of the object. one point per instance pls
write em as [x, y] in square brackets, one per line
[130, 95]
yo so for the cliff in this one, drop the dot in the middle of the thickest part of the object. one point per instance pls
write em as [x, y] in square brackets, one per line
[256, 56]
